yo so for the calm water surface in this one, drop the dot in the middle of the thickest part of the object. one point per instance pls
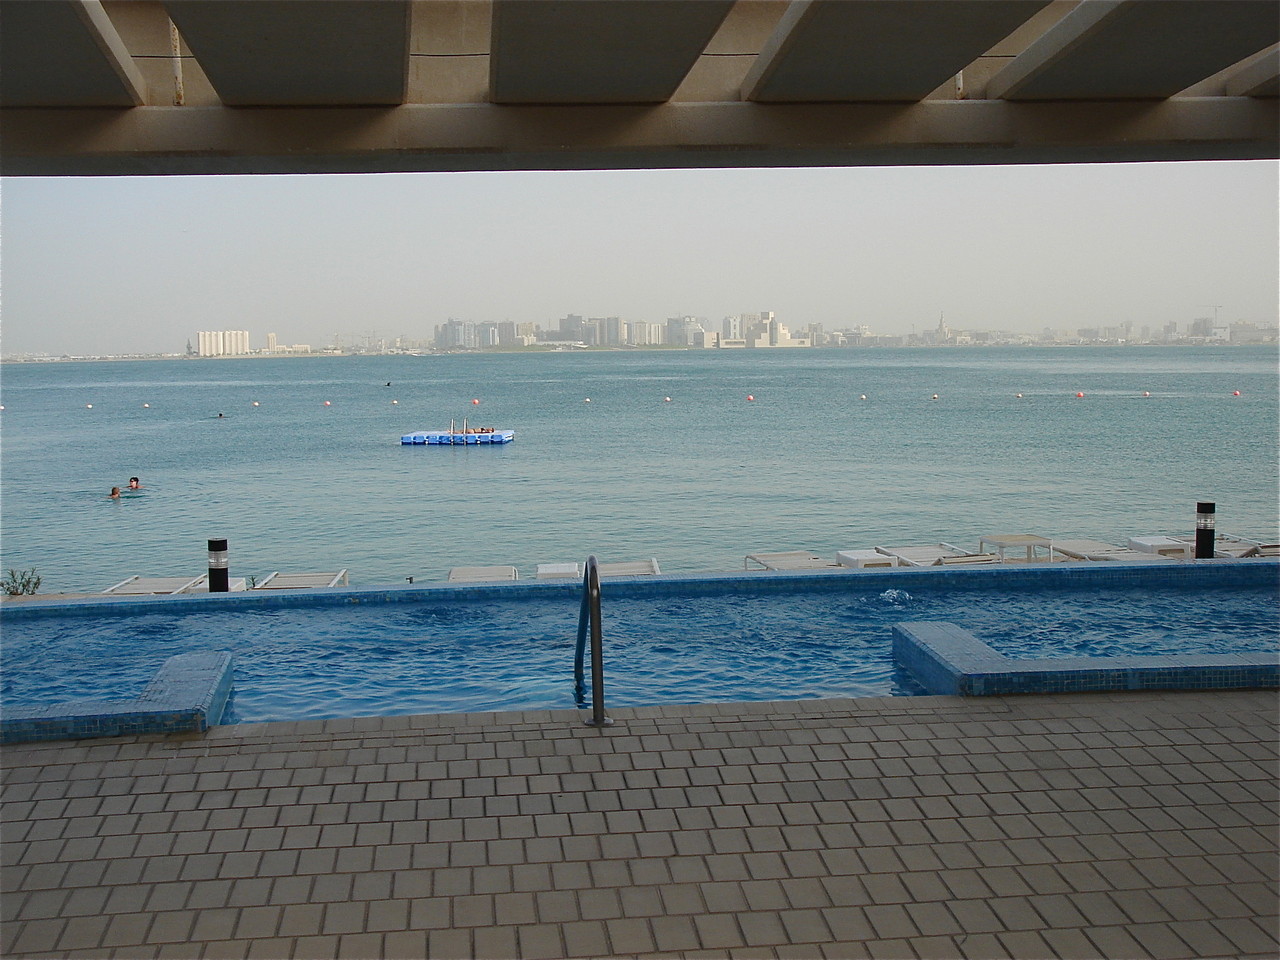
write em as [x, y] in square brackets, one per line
[697, 482]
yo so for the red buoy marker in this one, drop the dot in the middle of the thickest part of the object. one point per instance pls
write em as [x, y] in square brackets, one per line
[750, 397]
[1236, 394]
[1079, 394]
[477, 402]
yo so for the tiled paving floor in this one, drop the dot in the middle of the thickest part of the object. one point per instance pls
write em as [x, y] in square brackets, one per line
[1124, 825]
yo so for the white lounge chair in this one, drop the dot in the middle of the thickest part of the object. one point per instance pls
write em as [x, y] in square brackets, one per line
[931, 555]
[787, 560]
[302, 581]
[482, 574]
[558, 571]
[152, 586]
[1226, 545]
[1163, 546]
[141, 586]
[864, 559]
[629, 568]
[1086, 549]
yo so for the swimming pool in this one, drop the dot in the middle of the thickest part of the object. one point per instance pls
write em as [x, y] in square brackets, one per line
[667, 640]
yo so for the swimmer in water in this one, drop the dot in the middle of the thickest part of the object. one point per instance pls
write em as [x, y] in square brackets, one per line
[115, 493]
[135, 483]
[220, 416]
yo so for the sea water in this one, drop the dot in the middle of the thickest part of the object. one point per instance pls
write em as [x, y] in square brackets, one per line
[623, 454]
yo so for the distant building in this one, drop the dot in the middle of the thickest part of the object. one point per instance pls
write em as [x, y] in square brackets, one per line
[222, 343]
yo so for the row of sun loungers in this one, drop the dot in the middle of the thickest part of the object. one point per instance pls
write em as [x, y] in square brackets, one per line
[1037, 550]
[1155, 549]
[555, 571]
[153, 586]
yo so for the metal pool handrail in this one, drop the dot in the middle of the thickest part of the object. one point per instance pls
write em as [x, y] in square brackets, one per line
[589, 614]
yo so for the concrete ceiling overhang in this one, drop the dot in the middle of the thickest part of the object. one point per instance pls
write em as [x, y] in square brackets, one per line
[299, 52]
[112, 88]
[832, 50]
[636, 51]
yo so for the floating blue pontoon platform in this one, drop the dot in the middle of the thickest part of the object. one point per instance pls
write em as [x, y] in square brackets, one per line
[458, 437]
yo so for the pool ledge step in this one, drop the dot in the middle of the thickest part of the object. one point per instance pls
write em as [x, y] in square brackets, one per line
[948, 660]
[187, 695]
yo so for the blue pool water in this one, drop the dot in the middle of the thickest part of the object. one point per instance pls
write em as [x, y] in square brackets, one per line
[432, 655]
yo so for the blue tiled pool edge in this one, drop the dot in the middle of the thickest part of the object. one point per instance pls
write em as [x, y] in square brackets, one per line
[948, 660]
[1199, 573]
[187, 695]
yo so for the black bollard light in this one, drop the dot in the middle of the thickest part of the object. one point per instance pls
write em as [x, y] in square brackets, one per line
[219, 569]
[1204, 529]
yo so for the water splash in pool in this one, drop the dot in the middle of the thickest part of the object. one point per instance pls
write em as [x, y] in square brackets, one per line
[896, 598]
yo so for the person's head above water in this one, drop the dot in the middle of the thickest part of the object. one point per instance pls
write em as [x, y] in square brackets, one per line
[134, 483]
[115, 493]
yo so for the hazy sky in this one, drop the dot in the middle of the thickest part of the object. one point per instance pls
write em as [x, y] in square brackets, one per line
[117, 265]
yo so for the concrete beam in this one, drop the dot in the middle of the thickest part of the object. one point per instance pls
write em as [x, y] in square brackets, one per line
[1129, 49]
[217, 140]
[892, 50]
[64, 53]
[597, 51]
[1257, 78]
[299, 52]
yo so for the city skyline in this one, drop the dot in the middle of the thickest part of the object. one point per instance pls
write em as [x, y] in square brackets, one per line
[135, 265]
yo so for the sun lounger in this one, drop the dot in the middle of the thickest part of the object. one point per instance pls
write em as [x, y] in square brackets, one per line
[924, 556]
[482, 574]
[1100, 550]
[140, 586]
[629, 568]
[863, 559]
[787, 560]
[302, 581]
[153, 586]
[1163, 546]
[1226, 545]
[558, 571]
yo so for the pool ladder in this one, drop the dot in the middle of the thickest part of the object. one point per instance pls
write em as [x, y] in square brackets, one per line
[589, 616]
